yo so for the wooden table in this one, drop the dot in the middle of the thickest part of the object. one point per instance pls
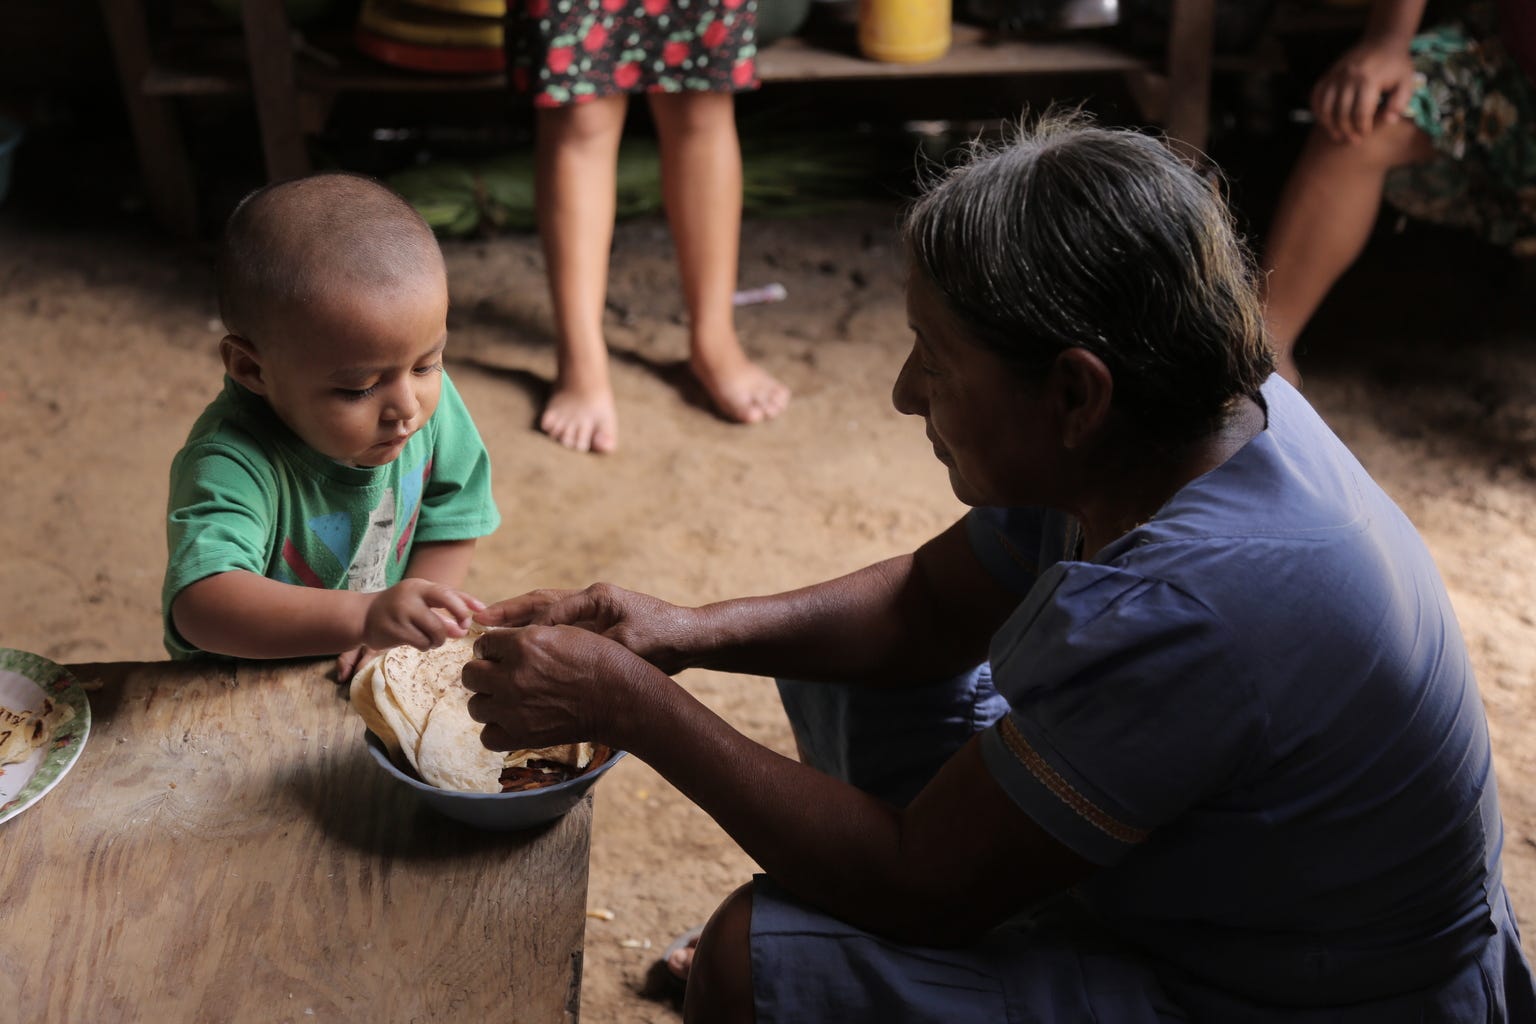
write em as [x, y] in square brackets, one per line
[226, 850]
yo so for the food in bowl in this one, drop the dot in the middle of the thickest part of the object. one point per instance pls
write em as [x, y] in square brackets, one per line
[415, 704]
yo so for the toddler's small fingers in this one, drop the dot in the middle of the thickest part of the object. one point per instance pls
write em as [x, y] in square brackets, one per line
[431, 627]
[449, 604]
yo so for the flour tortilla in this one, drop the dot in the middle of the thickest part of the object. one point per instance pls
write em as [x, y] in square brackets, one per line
[417, 679]
[361, 693]
[416, 703]
[451, 755]
[572, 755]
[22, 732]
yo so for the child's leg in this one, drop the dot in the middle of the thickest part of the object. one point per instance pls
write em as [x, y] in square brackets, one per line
[1323, 221]
[576, 153]
[701, 183]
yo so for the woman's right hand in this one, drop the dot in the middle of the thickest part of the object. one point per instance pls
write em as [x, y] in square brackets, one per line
[657, 631]
[1370, 85]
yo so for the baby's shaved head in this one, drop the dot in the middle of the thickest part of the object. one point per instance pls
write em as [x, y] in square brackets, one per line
[293, 244]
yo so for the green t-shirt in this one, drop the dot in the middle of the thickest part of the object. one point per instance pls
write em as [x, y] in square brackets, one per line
[246, 493]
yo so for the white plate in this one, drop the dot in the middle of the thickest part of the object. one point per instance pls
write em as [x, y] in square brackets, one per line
[25, 681]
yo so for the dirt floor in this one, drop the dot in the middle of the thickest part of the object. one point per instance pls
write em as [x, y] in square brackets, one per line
[1424, 361]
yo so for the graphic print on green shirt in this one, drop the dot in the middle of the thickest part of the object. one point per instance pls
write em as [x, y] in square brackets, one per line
[247, 494]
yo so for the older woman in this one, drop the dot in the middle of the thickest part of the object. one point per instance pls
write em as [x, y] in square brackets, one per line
[1223, 758]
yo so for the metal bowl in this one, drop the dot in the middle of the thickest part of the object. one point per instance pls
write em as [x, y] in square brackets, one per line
[497, 812]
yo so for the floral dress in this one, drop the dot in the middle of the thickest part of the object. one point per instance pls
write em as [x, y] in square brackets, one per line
[569, 51]
[1479, 108]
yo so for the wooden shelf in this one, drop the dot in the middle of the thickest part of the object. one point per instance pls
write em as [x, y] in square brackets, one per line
[332, 66]
[293, 88]
[973, 51]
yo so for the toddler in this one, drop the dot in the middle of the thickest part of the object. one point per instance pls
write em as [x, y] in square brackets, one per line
[329, 499]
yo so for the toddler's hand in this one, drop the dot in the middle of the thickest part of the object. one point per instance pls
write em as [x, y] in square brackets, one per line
[418, 612]
[348, 662]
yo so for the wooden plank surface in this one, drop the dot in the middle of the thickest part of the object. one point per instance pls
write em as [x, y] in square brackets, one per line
[973, 51]
[225, 850]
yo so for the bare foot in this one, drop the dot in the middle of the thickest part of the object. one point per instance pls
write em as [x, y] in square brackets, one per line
[583, 419]
[679, 955]
[741, 390]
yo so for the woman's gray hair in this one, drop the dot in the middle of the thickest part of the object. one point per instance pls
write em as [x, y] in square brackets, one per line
[1073, 235]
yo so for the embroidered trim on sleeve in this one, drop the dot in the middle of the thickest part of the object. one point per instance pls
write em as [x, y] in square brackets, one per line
[1064, 790]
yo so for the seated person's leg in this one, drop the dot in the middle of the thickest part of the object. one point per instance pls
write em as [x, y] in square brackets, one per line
[889, 742]
[720, 976]
[1323, 221]
[804, 965]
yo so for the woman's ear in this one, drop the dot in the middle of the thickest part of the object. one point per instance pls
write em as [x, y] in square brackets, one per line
[1082, 388]
[242, 363]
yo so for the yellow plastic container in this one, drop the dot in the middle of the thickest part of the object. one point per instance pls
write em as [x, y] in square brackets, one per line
[904, 31]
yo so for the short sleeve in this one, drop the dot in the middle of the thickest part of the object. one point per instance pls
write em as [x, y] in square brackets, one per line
[1126, 707]
[457, 503]
[221, 519]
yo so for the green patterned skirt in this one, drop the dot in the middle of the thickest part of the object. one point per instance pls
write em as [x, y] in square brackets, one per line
[1478, 107]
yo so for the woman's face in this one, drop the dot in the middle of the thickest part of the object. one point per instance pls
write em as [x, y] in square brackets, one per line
[987, 426]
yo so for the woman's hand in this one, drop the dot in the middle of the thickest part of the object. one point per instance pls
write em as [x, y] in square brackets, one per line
[659, 632]
[417, 612]
[540, 685]
[1370, 85]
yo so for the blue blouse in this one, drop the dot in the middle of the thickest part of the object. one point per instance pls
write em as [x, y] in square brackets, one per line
[1257, 713]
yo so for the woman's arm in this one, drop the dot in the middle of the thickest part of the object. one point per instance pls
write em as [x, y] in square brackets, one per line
[593, 665]
[959, 859]
[914, 618]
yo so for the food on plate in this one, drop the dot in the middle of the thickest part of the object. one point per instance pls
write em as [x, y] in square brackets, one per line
[415, 703]
[22, 732]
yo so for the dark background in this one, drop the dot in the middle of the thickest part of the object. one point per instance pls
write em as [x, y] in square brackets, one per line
[76, 165]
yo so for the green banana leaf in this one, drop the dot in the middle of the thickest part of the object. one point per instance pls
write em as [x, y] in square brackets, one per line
[788, 177]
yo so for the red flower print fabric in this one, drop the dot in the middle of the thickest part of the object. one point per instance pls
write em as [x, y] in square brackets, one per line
[567, 51]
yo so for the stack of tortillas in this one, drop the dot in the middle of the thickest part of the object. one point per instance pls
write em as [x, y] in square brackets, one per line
[416, 704]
